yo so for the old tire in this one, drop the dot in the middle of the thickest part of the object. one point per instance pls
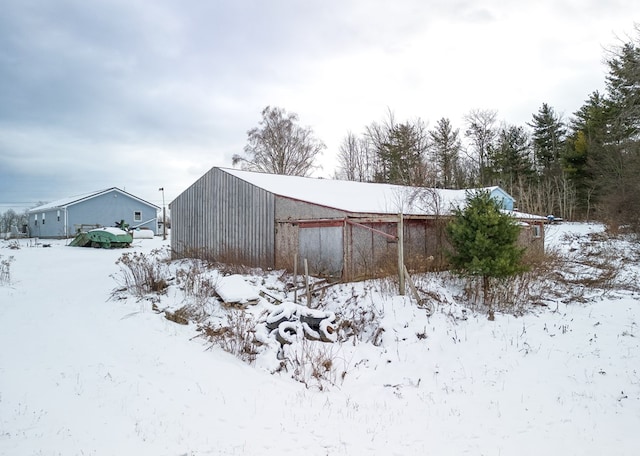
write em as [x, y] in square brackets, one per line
[310, 333]
[278, 316]
[288, 332]
[315, 318]
[327, 331]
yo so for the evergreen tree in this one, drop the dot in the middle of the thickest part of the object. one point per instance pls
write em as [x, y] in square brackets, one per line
[400, 151]
[603, 155]
[548, 139]
[403, 156]
[623, 87]
[445, 149]
[509, 159]
[484, 242]
[620, 202]
[585, 149]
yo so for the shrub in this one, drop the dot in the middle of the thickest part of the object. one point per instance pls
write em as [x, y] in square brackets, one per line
[141, 274]
[237, 336]
[314, 364]
[5, 270]
[198, 284]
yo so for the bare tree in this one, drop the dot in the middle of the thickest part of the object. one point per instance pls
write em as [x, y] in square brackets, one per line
[481, 132]
[11, 220]
[355, 161]
[280, 146]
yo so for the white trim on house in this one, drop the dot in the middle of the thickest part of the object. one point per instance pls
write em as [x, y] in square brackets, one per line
[70, 201]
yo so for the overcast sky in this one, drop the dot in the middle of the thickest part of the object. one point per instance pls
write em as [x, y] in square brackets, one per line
[142, 94]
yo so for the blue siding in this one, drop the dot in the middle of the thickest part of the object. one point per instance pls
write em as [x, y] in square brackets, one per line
[102, 210]
[503, 198]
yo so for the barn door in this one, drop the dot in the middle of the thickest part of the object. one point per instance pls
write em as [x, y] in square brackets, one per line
[322, 247]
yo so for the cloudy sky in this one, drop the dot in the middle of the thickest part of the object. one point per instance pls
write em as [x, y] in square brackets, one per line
[142, 94]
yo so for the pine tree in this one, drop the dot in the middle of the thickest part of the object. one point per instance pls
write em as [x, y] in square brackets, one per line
[445, 150]
[399, 151]
[621, 187]
[602, 157]
[548, 139]
[510, 158]
[623, 87]
[484, 242]
[582, 159]
[402, 156]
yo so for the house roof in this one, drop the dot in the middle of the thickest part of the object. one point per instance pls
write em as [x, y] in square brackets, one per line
[70, 201]
[361, 197]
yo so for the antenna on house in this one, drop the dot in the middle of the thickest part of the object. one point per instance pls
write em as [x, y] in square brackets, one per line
[164, 216]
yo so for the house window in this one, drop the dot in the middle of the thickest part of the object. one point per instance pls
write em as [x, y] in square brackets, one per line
[35, 219]
[58, 215]
[137, 216]
[43, 218]
[537, 232]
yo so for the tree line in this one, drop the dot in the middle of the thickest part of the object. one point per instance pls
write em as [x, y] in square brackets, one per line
[581, 168]
[11, 219]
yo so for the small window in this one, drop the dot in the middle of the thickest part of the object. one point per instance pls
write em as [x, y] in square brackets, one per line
[58, 215]
[137, 216]
[43, 218]
[35, 219]
[536, 231]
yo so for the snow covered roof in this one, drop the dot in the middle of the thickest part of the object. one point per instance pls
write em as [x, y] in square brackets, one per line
[360, 197]
[65, 202]
[525, 216]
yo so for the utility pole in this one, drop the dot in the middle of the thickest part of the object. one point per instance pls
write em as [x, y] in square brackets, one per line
[164, 216]
[401, 268]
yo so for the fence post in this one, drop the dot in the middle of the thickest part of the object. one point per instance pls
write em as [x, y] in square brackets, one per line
[401, 254]
[306, 282]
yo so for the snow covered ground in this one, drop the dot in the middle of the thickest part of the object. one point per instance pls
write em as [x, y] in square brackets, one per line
[83, 373]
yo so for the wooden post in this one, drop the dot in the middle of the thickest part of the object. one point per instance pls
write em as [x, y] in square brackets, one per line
[401, 254]
[306, 282]
[295, 278]
[412, 286]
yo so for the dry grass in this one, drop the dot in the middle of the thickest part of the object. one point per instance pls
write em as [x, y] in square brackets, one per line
[142, 274]
[314, 364]
[237, 336]
[198, 283]
[595, 265]
[360, 318]
[5, 270]
[227, 263]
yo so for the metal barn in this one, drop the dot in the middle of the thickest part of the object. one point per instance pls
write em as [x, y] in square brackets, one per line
[66, 217]
[346, 230]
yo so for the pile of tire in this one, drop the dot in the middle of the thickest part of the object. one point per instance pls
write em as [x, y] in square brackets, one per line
[290, 322]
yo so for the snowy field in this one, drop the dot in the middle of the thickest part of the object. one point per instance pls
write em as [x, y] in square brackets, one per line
[82, 373]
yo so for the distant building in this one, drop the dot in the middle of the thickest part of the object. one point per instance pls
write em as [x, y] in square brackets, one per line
[346, 230]
[66, 217]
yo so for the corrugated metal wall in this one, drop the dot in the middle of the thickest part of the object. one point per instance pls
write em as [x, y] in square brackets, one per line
[322, 247]
[223, 218]
[369, 253]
